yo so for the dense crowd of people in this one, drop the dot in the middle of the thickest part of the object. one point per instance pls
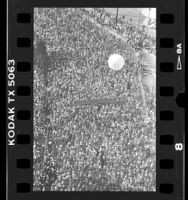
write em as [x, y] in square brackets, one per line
[94, 147]
[126, 28]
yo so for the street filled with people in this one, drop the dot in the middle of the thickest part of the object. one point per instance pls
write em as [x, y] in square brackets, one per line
[106, 146]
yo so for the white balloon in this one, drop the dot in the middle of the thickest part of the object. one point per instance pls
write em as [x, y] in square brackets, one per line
[116, 62]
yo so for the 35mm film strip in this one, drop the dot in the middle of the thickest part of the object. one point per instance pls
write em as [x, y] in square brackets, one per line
[94, 95]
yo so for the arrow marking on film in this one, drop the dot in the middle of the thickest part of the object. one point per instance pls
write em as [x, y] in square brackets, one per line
[179, 66]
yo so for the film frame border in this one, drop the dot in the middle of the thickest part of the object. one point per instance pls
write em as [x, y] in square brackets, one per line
[169, 84]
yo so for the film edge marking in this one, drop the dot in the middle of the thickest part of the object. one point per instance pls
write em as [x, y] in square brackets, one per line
[11, 100]
[179, 52]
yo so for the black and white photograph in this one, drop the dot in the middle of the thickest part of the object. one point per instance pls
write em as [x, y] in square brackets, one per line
[94, 99]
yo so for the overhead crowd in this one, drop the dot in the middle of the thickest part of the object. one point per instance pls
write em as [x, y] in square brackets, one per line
[104, 146]
[126, 28]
